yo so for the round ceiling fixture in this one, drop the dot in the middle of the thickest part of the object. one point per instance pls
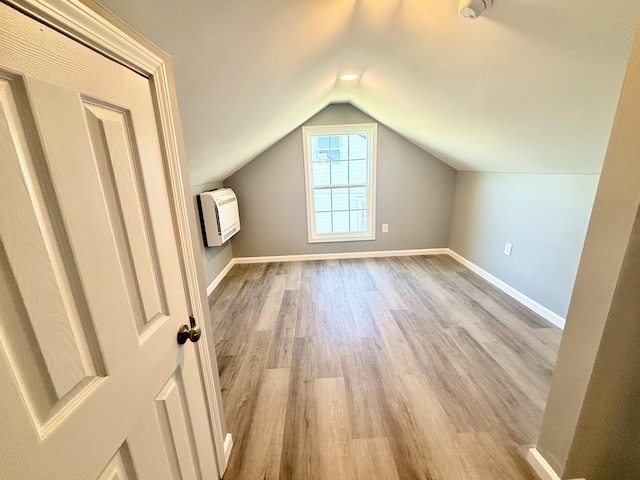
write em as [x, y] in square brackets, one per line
[472, 9]
[349, 77]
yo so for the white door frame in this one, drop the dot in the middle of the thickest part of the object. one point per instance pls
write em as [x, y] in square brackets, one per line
[91, 25]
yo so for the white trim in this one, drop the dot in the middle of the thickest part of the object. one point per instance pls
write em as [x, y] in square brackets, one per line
[540, 465]
[78, 20]
[371, 129]
[531, 304]
[228, 445]
[84, 25]
[338, 256]
[216, 281]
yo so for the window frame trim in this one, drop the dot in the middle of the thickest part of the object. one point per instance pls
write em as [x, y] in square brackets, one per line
[372, 149]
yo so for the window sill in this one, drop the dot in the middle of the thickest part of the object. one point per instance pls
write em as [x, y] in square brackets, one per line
[339, 239]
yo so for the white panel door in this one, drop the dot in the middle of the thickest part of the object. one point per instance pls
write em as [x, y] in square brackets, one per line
[93, 384]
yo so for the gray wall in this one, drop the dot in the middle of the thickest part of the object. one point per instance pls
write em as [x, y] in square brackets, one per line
[414, 196]
[545, 217]
[591, 425]
[214, 259]
[607, 438]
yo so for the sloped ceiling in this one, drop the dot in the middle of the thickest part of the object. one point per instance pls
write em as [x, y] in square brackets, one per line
[530, 86]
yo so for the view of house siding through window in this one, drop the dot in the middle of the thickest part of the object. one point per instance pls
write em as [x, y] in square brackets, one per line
[340, 160]
[339, 184]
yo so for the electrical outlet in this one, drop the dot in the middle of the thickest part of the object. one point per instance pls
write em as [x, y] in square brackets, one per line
[507, 249]
[385, 228]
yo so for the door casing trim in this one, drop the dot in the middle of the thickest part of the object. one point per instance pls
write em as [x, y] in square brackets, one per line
[93, 26]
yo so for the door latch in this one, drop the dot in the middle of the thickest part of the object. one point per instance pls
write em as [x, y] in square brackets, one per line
[185, 333]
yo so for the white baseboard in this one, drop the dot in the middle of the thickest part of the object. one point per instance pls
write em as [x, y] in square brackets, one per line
[541, 310]
[339, 256]
[212, 286]
[228, 445]
[541, 466]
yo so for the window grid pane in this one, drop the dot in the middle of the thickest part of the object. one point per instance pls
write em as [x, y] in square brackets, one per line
[358, 220]
[323, 223]
[340, 222]
[349, 202]
[340, 176]
[339, 199]
[321, 172]
[339, 172]
[322, 200]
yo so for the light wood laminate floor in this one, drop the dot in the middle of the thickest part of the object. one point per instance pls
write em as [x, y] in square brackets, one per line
[387, 368]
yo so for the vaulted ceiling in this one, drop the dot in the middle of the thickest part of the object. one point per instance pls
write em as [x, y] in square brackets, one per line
[530, 86]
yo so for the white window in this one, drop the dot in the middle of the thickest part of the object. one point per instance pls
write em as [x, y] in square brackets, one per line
[340, 172]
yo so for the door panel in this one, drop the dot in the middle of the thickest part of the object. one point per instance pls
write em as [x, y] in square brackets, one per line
[57, 340]
[178, 438]
[120, 467]
[94, 384]
[111, 138]
[87, 228]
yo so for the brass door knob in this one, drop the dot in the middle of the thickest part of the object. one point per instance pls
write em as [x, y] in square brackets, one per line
[185, 333]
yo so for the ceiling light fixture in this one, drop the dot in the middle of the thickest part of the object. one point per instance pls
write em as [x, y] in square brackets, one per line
[472, 9]
[349, 77]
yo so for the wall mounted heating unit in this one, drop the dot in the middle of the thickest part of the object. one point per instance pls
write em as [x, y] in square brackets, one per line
[218, 216]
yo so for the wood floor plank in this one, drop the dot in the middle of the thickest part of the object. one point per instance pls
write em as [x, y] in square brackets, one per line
[331, 401]
[501, 394]
[383, 368]
[240, 396]
[405, 439]
[231, 353]
[300, 451]
[396, 345]
[264, 439]
[492, 457]
[333, 430]
[247, 375]
[337, 460]
[282, 346]
[224, 296]
[360, 310]
[437, 433]
[374, 459]
[327, 358]
[510, 305]
[293, 275]
[383, 284]
[268, 317]
[306, 324]
[364, 397]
